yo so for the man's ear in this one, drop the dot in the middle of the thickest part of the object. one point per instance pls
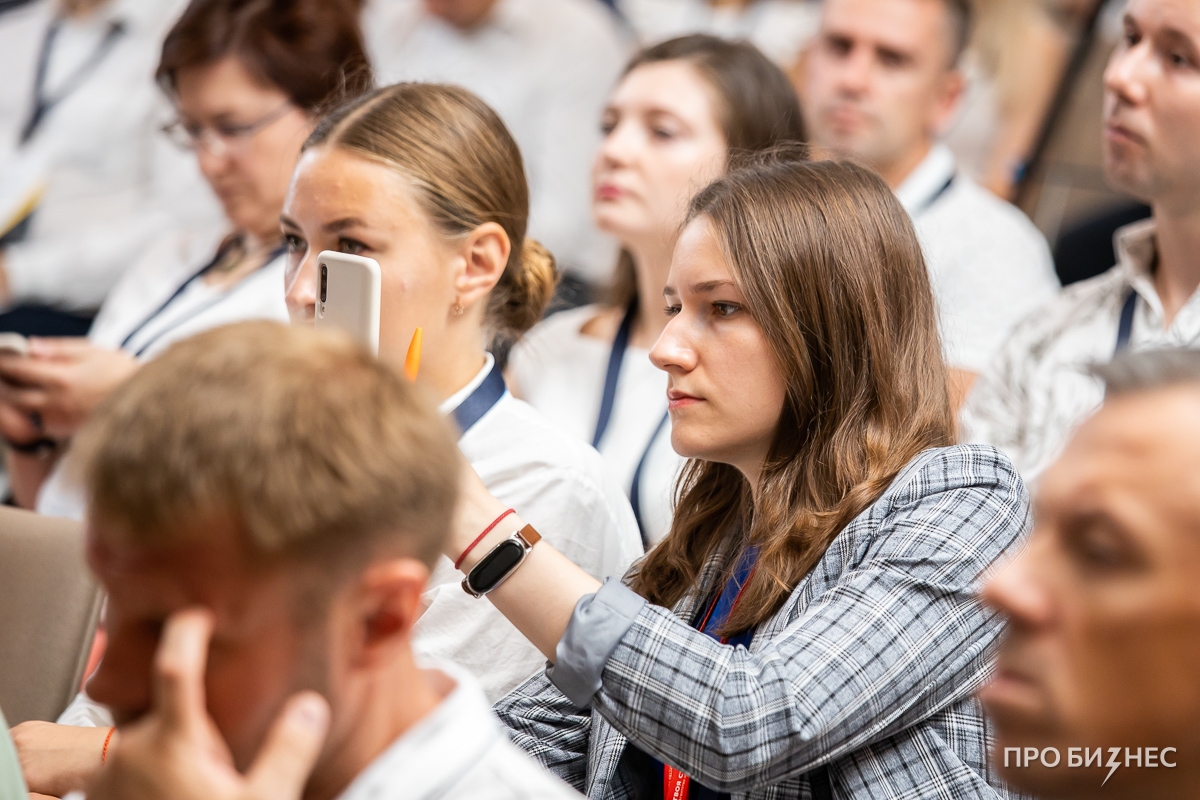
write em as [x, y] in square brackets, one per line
[483, 256]
[950, 95]
[389, 604]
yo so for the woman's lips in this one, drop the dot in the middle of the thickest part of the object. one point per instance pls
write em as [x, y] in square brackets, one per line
[680, 399]
[609, 191]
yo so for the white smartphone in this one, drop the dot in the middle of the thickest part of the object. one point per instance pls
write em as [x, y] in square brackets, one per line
[14, 343]
[348, 295]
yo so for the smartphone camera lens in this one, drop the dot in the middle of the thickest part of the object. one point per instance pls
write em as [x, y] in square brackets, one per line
[324, 281]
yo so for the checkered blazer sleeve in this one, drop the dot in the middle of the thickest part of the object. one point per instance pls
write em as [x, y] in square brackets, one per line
[544, 723]
[885, 633]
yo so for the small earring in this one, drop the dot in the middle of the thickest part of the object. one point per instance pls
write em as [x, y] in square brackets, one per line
[456, 310]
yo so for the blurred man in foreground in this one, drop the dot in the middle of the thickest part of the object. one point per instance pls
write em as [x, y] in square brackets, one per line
[296, 491]
[1096, 678]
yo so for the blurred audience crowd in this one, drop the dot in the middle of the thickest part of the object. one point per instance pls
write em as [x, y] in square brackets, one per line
[807, 384]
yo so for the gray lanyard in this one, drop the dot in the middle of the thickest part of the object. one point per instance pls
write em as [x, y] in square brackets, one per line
[44, 103]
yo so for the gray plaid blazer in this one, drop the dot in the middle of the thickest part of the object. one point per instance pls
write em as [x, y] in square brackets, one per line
[868, 670]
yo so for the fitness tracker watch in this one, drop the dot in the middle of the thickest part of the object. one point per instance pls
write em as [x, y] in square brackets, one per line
[500, 562]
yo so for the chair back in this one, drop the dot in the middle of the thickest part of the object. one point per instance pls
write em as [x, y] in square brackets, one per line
[49, 608]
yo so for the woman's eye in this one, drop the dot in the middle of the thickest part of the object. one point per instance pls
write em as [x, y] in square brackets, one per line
[662, 133]
[232, 131]
[1179, 60]
[671, 311]
[351, 246]
[725, 309]
[293, 242]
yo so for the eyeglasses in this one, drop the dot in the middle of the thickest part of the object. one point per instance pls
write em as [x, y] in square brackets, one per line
[219, 140]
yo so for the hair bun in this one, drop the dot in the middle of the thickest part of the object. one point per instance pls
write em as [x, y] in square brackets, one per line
[521, 297]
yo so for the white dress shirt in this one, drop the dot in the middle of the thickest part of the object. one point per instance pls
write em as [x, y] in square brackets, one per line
[138, 319]
[559, 486]
[779, 28]
[458, 751]
[1038, 390]
[546, 67]
[989, 267]
[561, 372]
[109, 182]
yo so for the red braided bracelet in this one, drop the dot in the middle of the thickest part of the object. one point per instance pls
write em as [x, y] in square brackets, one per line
[479, 538]
[107, 739]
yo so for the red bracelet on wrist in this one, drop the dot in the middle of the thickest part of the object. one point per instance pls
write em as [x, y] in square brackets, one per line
[479, 538]
[107, 739]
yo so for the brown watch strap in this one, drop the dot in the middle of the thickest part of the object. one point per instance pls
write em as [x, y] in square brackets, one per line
[530, 536]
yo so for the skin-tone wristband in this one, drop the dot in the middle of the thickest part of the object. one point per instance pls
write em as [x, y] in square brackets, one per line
[107, 739]
[479, 538]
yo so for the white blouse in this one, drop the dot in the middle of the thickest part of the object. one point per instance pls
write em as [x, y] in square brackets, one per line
[144, 316]
[559, 486]
[560, 372]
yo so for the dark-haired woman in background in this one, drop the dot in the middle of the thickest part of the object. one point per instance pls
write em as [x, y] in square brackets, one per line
[248, 79]
[810, 625]
[682, 110]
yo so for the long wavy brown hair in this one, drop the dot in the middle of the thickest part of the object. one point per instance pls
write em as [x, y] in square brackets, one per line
[829, 266]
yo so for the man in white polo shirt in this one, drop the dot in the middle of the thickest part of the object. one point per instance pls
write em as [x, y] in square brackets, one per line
[880, 84]
[279, 497]
[1038, 390]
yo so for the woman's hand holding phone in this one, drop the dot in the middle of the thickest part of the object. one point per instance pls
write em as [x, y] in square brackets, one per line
[57, 384]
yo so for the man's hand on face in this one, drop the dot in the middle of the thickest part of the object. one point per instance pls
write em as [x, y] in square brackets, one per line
[176, 752]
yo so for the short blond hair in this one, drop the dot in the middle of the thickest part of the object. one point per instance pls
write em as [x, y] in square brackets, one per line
[299, 437]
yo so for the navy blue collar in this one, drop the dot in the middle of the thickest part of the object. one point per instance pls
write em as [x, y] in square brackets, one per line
[481, 400]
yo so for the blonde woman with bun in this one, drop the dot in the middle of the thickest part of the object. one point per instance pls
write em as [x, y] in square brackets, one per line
[426, 180]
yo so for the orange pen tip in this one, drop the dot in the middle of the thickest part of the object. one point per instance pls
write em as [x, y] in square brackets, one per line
[412, 361]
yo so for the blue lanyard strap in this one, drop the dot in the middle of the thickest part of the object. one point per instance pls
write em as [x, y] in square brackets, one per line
[938, 195]
[713, 620]
[635, 492]
[616, 357]
[42, 104]
[722, 608]
[221, 251]
[480, 401]
[1125, 328]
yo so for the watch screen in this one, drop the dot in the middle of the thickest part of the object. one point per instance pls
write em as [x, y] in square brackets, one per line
[497, 564]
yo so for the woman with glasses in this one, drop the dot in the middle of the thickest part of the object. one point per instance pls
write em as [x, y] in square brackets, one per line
[247, 81]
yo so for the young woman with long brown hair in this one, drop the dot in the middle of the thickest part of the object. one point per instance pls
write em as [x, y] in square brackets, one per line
[683, 109]
[810, 623]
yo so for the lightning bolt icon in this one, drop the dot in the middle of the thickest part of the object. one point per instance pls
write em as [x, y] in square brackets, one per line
[1112, 764]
